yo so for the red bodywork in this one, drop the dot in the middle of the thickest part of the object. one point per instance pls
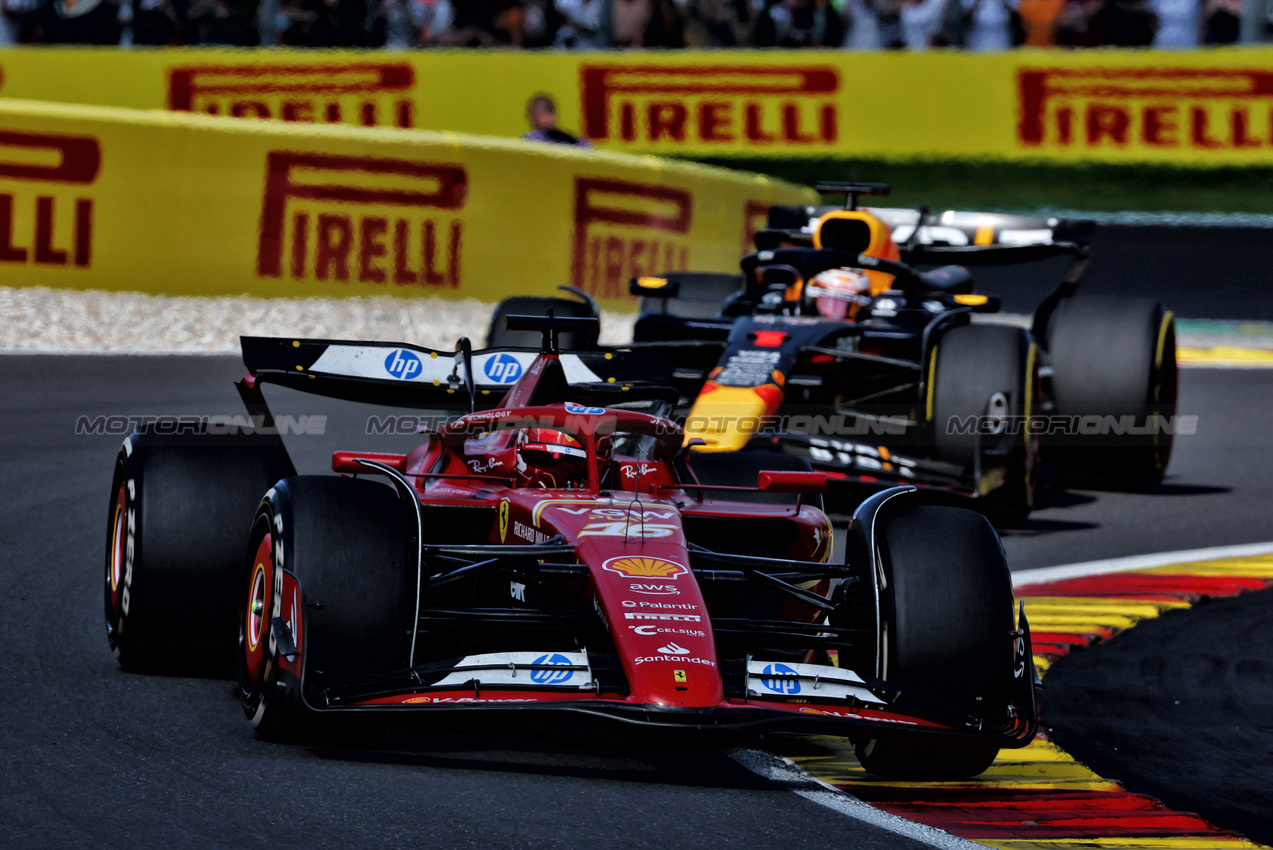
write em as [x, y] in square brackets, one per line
[625, 520]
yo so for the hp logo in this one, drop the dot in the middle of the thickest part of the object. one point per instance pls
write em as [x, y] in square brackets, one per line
[551, 677]
[775, 679]
[402, 364]
[503, 369]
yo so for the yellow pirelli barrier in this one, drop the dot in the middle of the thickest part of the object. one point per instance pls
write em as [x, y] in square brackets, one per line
[1198, 108]
[129, 200]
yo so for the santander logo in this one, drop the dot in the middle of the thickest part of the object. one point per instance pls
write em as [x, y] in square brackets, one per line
[673, 649]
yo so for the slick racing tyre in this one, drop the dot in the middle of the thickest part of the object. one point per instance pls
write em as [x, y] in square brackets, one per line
[528, 305]
[945, 636]
[988, 374]
[180, 506]
[328, 593]
[1113, 359]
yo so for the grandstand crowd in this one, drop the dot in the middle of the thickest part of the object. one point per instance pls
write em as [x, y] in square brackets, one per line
[601, 24]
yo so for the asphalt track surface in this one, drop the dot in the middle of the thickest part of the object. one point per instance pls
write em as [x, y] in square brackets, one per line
[94, 756]
[1183, 710]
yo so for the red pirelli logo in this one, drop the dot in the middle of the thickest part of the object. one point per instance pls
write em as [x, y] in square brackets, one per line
[624, 230]
[365, 219]
[43, 173]
[370, 94]
[717, 105]
[1147, 109]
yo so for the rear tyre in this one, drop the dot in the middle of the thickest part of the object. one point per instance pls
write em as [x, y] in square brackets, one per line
[945, 637]
[1113, 358]
[980, 371]
[179, 508]
[528, 305]
[329, 557]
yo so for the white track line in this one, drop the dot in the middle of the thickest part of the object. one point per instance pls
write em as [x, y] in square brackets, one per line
[1138, 562]
[789, 775]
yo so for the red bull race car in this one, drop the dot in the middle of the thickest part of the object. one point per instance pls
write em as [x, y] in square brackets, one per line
[835, 344]
[556, 554]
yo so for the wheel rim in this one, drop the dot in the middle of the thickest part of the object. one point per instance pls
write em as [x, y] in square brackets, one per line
[1164, 389]
[260, 592]
[115, 563]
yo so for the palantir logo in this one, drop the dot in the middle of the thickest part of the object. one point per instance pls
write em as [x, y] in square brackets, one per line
[402, 364]
[552, 677]
[781, 679]
[503, 368]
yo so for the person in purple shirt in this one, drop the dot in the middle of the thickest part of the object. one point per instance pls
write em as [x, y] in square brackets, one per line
[543, 119]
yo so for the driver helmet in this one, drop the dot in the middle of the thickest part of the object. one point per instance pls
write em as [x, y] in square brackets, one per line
[550, 459]
[840, 293]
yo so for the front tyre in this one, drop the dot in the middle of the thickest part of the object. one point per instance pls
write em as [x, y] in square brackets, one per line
[988, 375]
[327, 593]
[945, 634]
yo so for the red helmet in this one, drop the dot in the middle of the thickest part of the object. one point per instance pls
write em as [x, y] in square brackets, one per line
[550, 459]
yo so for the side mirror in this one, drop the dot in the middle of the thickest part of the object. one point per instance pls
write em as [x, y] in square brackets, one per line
[792, 482]
[979, 303]
[654, 287]
[348, 462]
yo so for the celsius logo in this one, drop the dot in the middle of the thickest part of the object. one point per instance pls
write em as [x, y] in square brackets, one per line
[503, 369]
[402, 364]
[775, 678]
[552, 677]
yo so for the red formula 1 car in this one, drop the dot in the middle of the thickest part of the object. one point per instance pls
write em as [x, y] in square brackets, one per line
[558, 556]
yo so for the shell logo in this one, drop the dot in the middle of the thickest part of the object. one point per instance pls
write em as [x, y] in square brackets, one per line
[645, 567]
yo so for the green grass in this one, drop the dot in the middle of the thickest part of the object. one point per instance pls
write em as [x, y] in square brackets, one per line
[1027, 188]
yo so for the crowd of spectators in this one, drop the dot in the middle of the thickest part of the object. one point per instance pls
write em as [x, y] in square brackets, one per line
[598, 24]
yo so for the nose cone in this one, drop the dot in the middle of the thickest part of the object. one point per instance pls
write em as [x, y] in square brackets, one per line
[644, 590]
[660, 626]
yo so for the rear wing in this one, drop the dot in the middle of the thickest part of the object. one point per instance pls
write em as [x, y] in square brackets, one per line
[969, 238]
[399, 374]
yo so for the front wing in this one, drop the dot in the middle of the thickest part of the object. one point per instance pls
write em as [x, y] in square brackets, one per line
[800, 698]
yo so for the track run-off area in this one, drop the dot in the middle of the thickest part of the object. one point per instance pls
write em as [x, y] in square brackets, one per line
[96, 756]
